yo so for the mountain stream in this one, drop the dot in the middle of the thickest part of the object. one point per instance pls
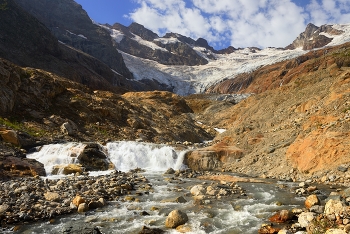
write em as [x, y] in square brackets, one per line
[244, 214]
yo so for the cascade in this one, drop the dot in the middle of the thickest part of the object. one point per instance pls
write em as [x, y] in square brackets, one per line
[58, 154]
[126, 155]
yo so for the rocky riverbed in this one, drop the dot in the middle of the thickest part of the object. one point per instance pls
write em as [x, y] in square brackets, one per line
[26, 201]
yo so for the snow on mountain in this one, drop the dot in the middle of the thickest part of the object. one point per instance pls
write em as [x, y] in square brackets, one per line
[147, 43]
[339, 39]
[195, 79]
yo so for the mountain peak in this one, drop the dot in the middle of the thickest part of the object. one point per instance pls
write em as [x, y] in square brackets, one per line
[313, 37]
[142, 32]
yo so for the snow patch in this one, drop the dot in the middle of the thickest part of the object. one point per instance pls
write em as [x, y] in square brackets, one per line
[148, 43]
[82, 36]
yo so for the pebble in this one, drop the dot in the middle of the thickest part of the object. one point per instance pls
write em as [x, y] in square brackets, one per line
[36, 199]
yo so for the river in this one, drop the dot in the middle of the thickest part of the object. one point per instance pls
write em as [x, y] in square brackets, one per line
[239, 214]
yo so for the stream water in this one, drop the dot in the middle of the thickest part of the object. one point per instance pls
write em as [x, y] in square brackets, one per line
[225, 215]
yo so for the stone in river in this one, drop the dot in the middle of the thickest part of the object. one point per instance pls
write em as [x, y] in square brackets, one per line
[312, 200]
[176, 218]
[83, 207]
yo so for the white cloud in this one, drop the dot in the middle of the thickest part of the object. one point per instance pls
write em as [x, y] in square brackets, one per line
[241, 23]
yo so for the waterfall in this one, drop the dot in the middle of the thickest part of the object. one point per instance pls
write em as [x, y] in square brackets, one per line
[126, 155]
[58, 154]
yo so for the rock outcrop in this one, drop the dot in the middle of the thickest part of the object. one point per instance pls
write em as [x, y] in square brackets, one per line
[48, 101]
[298, 119]
[11, 166]
[213, 157]
[313, 38]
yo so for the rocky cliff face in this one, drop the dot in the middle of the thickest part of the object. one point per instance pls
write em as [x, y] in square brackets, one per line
[27, 42]
[312, 37]
[174, 53]
[71, 25]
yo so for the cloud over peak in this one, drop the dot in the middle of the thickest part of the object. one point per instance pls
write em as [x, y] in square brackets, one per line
[240, 23]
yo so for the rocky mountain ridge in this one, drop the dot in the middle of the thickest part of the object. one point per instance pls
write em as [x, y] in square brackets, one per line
[154, 62]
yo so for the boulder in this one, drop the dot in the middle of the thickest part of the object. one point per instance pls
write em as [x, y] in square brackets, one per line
[69, 128]
[94, 159]
[175, 219]
[305, 218]
[170, 171]
[147, 230]
[312, 200]
[95, 204]
[9, 136]
[83, 207]
[197, 190]
[67, 169]
[78, 200]
[15, 166]
[281, 216]
[334, 207]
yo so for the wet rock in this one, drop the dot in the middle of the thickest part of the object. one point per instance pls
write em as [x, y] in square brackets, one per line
[312, 200]
[67, 169]
[147, 230]
[181, 200]
[83, 207]
[170, 171]
[281, 216]
[213, 157]
[80, 229]
[197, 190]
[175, 219]
[95, 204]
[94, 159]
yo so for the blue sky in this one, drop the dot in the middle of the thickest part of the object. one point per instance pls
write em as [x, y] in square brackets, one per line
[240, 23]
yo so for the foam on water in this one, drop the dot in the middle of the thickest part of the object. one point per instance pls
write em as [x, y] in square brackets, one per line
[126, 155]
[58, 154]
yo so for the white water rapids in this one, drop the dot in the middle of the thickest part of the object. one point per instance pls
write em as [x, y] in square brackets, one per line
[125, 155]
[221, 216]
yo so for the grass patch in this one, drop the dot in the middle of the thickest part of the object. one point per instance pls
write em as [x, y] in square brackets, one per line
[16, 125]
